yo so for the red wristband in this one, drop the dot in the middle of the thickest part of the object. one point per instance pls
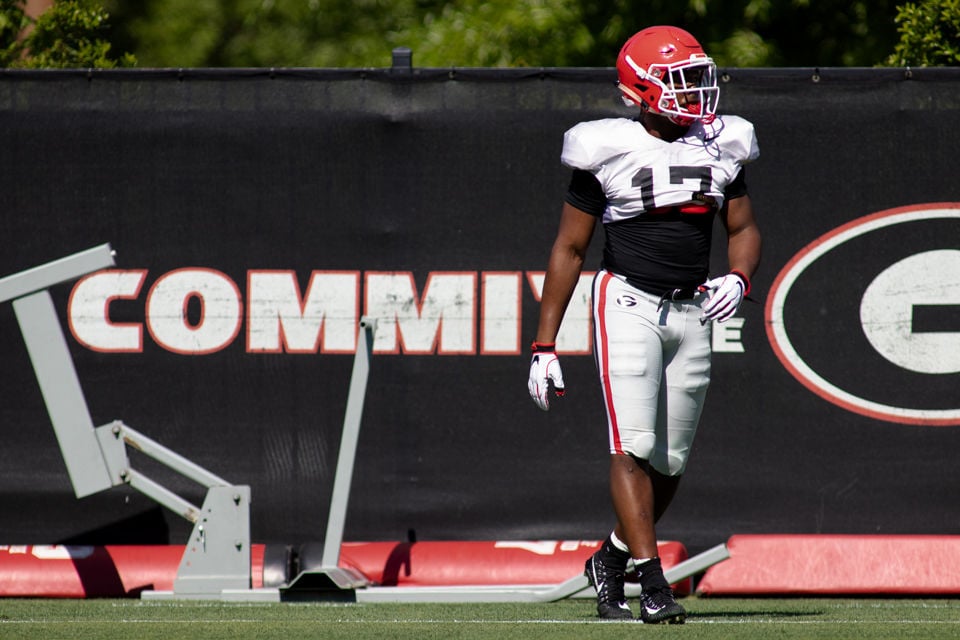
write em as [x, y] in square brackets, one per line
[742, 276]
[543, 347]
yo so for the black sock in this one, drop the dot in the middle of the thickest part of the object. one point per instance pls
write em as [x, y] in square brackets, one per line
[651, 575]
[613, 557]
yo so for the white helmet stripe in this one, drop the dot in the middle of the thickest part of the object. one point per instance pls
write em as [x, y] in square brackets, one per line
[641, 73]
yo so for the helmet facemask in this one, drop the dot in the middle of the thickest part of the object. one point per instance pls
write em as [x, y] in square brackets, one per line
[687, 89]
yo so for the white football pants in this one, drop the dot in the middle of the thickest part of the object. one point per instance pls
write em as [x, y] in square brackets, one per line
[654, 367]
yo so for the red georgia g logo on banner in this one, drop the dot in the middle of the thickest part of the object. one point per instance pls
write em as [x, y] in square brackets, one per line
[867, 316]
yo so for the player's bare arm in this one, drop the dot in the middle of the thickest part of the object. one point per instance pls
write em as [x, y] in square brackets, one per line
[743, 255]
[743, 236]
[563, 269]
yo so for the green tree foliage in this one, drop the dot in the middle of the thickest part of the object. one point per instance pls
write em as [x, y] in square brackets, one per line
[349, 33]
[495, 33]
[13, 21]
[929, 34]
[759, 33]
[502, 33]
[257, 33]
[70, 34]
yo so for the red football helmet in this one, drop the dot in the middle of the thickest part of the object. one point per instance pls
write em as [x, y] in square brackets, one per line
[666, 69]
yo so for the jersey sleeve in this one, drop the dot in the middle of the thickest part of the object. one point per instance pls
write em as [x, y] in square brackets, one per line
[737, 188]
[590, 144]
[577, 152]
[740, 139]
[586, 193]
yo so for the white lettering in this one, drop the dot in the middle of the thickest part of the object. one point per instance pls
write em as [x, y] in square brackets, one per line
[197, 311]
[500, 318]
[576, 545]
[279, 319]
[886, 311]
[60, 552]
[15, 549]
[726, 336]
[576, 330]
[89, 311]
[539, 547]
[447, 310]
[219, 318]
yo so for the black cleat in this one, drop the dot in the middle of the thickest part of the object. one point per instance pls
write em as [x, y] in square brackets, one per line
[658, 606]
[608, 581]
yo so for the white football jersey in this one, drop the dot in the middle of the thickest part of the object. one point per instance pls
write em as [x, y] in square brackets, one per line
[639, 172]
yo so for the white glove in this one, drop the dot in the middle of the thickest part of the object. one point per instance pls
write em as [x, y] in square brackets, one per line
[724, 295]
[544, 367]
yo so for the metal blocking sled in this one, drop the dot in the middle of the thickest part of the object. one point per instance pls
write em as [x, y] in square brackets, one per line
[216, 562]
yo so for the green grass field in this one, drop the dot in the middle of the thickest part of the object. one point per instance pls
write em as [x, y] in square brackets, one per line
[714, 618]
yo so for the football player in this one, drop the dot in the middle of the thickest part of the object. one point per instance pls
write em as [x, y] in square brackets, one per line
[656, 182]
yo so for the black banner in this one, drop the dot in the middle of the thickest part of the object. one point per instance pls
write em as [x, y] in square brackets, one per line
[257, 215]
